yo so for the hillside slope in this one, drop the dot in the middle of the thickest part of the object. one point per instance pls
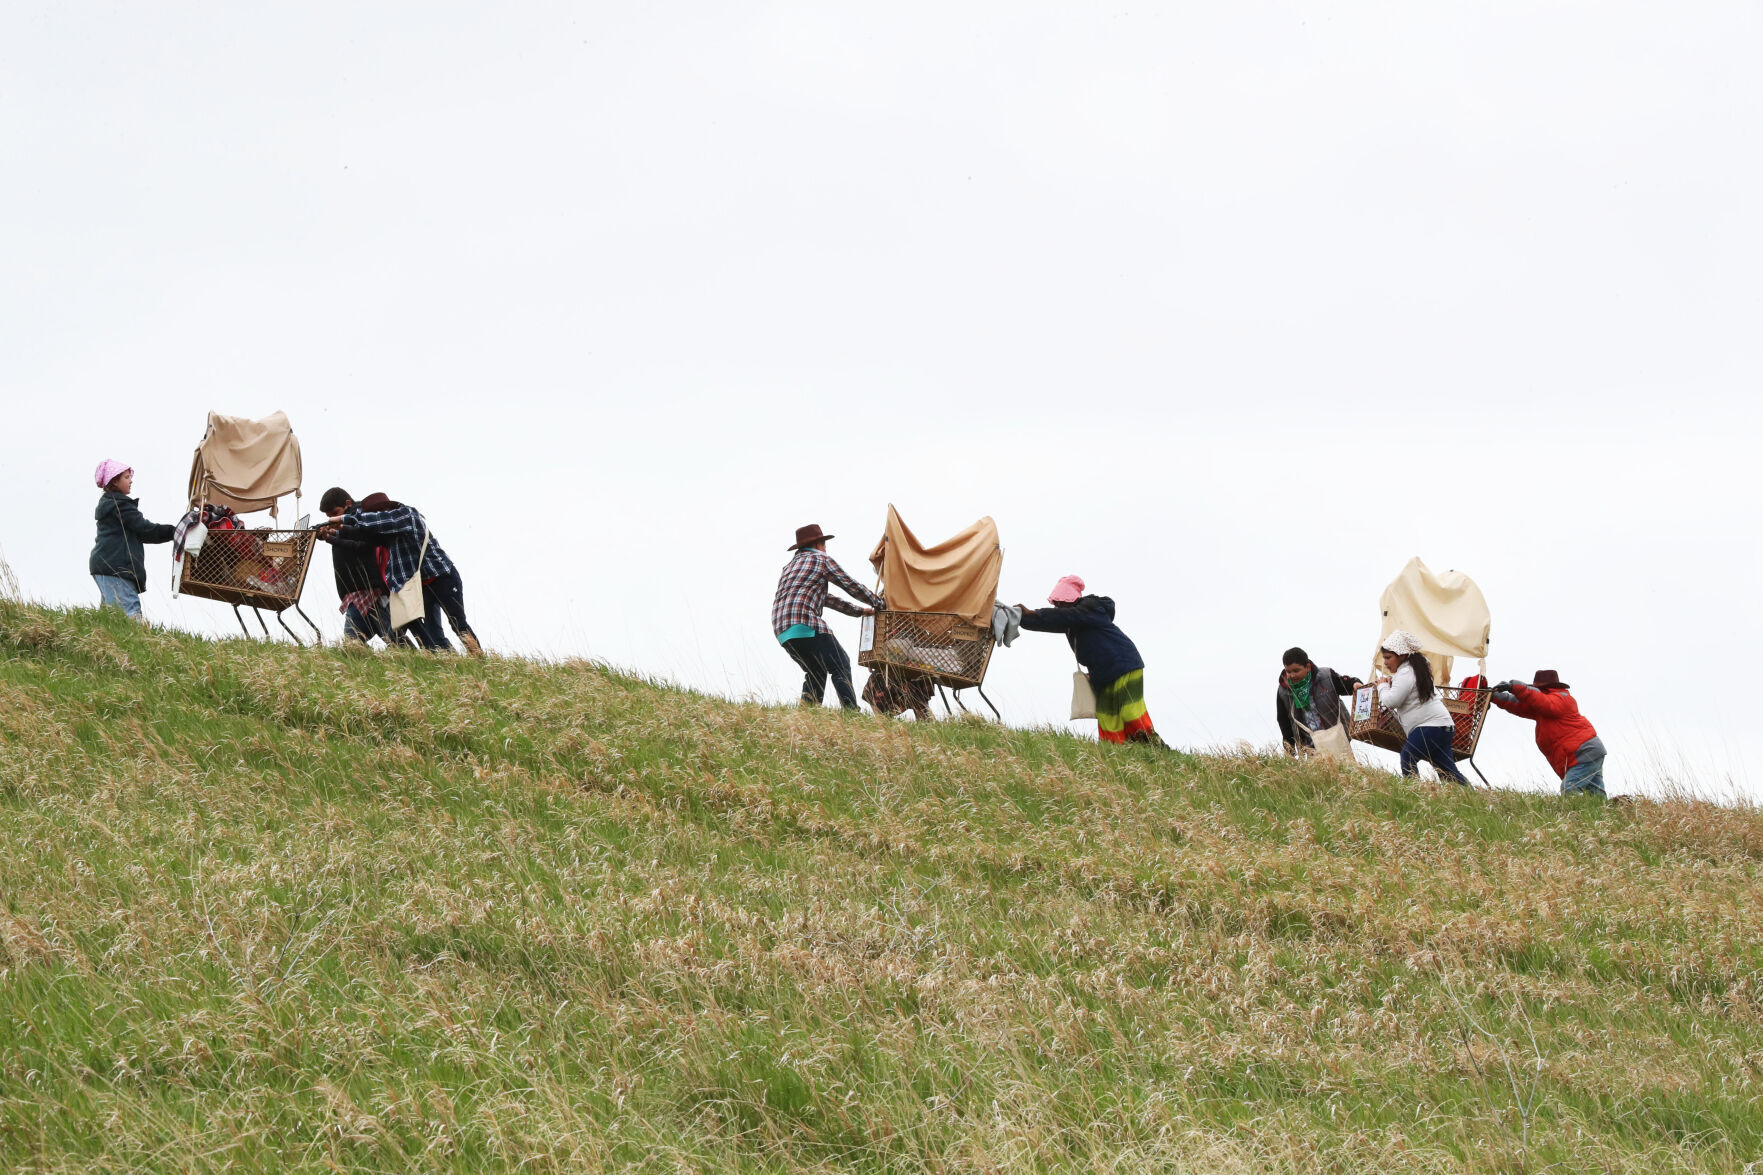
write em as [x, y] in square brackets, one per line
[266, 907]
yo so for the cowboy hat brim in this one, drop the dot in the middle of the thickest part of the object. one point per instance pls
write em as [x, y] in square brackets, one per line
[823, 538]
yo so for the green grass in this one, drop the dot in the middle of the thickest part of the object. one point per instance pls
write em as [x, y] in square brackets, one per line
[266, 908]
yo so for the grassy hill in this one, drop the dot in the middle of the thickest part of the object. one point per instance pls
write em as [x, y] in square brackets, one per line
[274, 908]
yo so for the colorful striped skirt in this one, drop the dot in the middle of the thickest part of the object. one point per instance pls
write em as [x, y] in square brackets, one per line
[1120, 711]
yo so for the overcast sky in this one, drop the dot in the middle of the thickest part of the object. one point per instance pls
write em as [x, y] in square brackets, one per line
[1228, 308]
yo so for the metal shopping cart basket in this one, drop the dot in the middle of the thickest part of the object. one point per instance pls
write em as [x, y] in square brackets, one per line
[243, 466]
[939, 646]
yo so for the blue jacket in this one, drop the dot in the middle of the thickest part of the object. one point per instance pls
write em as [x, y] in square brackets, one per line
[121, 533]
[1088, 624]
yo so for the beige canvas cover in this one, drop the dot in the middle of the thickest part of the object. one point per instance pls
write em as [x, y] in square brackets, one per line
[958, 575]
[1445, 611]
[246, 464]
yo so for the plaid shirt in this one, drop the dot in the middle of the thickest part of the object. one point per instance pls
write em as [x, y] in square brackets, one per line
[362, 601]
[400, 531]
[801, 592]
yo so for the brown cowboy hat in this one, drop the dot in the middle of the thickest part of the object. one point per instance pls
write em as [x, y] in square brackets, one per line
[1548, 679]
[807, 536]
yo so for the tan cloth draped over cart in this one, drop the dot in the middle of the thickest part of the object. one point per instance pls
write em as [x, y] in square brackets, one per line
[958, 575]
[1446, 611]
[246, 464]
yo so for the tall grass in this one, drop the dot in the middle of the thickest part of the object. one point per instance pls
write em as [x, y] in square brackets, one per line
[272, 908]
[9, 589]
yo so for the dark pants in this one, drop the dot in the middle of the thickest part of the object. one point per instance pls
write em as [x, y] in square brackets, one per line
[1433, 744]
[446, 593]
[363, 626]
[819, 656]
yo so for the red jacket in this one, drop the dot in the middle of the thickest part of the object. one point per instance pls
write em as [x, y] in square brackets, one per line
[1561, 731]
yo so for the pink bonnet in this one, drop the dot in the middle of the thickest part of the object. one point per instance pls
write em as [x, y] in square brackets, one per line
[108, 469]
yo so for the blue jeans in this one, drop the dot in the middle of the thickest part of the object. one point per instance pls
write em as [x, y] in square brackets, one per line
[821, 656]
[1587, 772]
[377, 621]
[116, 592]
[1433, 744]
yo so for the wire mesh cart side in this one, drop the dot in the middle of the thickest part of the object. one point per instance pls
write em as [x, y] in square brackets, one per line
[1370, 723]
[939, 646]
[263, 570]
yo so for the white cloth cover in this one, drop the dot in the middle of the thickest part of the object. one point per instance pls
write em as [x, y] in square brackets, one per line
[245, 464]
[1445, 611]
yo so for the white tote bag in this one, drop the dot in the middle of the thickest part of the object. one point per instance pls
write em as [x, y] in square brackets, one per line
[407, 600]
[1083, 698]
[1331, 741]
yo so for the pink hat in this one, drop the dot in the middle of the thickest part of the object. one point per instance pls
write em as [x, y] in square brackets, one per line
[1066, 590]
[107, 471]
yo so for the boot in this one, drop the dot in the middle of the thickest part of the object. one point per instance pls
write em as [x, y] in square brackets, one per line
[469, 640]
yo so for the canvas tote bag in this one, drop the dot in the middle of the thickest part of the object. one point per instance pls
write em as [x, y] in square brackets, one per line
[1083, 698]
[1331, 741]
[407, 600]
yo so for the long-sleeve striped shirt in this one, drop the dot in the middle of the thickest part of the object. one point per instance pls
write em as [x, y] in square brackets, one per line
[801, 592]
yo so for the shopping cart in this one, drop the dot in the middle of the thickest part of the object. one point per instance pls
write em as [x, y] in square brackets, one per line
[939, 646]
[243, 466]
[263, 570]
[1370, 723]
[938, 628]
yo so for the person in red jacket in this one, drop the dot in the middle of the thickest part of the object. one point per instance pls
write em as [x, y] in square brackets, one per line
[1564, 737]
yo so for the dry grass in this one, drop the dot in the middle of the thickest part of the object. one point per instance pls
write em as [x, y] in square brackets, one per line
[9, 589]
[266, 908]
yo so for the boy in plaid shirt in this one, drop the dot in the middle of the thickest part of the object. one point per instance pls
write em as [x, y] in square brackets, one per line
[796, 616]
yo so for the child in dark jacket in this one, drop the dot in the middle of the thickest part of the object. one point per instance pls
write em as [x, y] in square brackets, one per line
[118, 564]
[1116, 671]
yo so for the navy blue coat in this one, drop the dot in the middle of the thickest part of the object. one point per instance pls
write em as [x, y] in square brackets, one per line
[1088, 624]
[122, 531]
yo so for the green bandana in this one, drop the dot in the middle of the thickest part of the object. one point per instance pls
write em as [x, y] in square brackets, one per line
[1301, 692]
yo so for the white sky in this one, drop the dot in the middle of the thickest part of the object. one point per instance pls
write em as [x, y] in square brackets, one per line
[1230, 309]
